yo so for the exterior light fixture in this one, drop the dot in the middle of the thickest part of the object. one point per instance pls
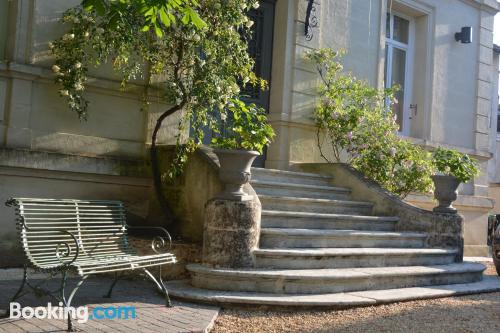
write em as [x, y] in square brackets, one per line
[464, 36]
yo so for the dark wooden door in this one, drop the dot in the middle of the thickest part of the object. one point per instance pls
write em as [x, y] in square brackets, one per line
[260, 48]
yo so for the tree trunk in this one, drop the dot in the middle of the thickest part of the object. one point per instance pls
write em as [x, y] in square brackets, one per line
[155, 167]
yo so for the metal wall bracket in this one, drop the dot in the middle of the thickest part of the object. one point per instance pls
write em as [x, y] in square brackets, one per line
[311, 20]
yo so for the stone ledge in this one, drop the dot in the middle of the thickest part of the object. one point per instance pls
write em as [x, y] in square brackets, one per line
[183, 290]
[51, 161]
[75, 176]
[462, 201]
[101, 85]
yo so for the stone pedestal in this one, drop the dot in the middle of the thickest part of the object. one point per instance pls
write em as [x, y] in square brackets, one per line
[231, 233]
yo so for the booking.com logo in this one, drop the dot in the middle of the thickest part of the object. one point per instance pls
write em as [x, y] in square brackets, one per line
[81, 313]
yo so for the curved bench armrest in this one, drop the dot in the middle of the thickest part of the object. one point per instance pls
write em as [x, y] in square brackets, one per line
[66, 251]
[160, 244]
[63, 249]
[10, 202]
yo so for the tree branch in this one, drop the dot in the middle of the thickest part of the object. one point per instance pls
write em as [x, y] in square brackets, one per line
[155, 165]
[319, 145]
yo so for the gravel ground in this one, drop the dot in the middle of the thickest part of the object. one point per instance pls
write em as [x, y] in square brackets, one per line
[474, 313]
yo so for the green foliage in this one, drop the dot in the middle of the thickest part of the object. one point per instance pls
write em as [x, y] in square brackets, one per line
[193, 66]
[244, 127]
[155, 12]
[355, 122]
[453, 163]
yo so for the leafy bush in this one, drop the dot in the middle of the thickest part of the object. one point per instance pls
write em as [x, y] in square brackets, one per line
[244, 127]
[453, 163]
[355, 120]
[192, 55]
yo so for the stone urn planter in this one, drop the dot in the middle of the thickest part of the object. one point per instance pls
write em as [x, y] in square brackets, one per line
[234, 172]
[445, 193]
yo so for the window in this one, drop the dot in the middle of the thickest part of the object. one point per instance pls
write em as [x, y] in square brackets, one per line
[398, 52]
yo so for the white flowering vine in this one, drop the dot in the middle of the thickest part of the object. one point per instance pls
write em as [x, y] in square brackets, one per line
[198, 59]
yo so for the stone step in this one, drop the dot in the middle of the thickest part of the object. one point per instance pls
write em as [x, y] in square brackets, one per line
[322, 238]
[300, 190]
[312, 205]
[304, 220]
[319, 281]
[351, 257]
[185, 291]
[290, 177]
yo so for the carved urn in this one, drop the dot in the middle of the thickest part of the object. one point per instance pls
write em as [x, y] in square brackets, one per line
[445, 193]
[234, 172]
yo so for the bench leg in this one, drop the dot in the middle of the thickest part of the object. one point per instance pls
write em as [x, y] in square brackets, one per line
[19, 291]
[67, 302]
[63, 298]
[161, 286]
[108, 295]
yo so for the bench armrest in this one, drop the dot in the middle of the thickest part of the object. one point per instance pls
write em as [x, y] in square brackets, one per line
[63, 249]
[160, 244]
[66, 251]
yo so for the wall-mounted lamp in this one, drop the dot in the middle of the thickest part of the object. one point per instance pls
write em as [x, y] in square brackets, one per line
[464, 36]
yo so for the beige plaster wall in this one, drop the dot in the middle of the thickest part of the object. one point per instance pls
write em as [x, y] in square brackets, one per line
[455, 72]
[34, 116]
[494, 165]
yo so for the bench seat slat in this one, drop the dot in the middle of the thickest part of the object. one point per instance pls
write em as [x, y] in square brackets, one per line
[72, 218]
[67, 205]
[70, 209]
[58, 225]
[107, 262]
[102, 252]
[125, 267]
[94, 232]
[88, 258]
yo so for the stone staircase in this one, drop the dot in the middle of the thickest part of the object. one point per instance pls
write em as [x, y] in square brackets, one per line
[320, 248]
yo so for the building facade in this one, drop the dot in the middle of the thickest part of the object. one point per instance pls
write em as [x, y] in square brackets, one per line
[449, 88]
[448, 97]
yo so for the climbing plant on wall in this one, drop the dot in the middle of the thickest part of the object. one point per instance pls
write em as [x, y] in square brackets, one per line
[194, 53]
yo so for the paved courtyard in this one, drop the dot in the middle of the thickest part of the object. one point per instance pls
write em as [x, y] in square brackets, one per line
[151, 314]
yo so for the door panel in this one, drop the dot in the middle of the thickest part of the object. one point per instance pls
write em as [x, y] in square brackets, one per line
[260, 49]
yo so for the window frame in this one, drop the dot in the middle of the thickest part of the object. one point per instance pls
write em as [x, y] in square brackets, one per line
[389, 45]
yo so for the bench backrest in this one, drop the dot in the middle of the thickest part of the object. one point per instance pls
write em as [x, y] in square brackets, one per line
[98, 226]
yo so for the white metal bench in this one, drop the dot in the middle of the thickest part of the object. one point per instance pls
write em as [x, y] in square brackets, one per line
[85, 236]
